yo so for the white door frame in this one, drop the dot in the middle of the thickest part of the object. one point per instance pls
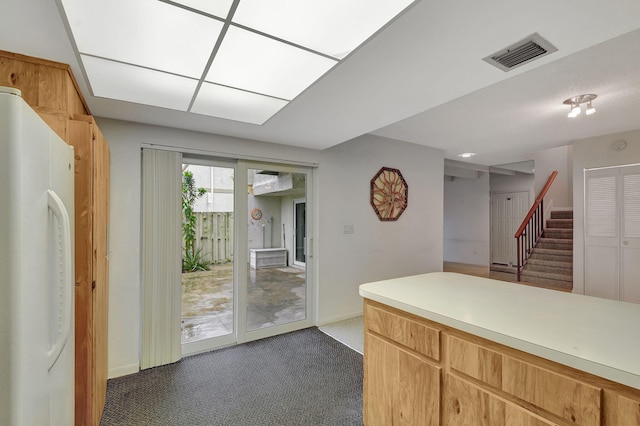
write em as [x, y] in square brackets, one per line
[242, 252]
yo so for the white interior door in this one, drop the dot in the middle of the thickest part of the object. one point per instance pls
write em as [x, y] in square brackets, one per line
[612, 233]
[507, 211]
[602, 236]
[630, 247]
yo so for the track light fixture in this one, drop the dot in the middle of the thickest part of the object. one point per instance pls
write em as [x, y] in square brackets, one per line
[575, 101]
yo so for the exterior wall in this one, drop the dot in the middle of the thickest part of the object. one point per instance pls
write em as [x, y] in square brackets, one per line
[467, 221]
[588, 154]
[375, 250]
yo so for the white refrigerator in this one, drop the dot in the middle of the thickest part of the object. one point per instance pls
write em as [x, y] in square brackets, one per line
[36, 269]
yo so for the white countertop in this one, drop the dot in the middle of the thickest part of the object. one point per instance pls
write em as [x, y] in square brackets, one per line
[598, 336]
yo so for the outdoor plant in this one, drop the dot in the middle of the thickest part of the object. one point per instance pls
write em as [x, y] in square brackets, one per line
[193, 260]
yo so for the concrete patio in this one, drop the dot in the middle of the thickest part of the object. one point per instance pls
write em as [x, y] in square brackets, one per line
[275, 296]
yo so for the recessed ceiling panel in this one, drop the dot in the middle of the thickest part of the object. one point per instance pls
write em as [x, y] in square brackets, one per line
[149, 33]
[260, 64]
[233, 104]
[140, 85]
[218, 8]
[333, 27]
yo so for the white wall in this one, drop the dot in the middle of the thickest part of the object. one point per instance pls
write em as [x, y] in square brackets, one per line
[587, 154]
[520, 182]
[376, 250]
[467, 223]
[125, 140]
[560, 193]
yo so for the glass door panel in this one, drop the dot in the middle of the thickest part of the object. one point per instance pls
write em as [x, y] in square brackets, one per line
[300, 229]
[208, 296]
[276, 285]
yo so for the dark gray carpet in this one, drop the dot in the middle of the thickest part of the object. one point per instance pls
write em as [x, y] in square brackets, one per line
[299, 378]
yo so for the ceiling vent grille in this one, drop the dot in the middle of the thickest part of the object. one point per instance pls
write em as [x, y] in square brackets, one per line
[520, 53]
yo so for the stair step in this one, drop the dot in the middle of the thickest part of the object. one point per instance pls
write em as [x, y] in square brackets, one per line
[542, 265]
[548, 279]
[555, 243]
[551, 254]
[560, 223]
[558, 233]
[562, 214]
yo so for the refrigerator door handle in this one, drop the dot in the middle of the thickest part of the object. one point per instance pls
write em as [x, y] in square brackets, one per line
[60, 212]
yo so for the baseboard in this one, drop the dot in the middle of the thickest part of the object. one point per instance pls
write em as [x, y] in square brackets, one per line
[124, 370]
[339, 318]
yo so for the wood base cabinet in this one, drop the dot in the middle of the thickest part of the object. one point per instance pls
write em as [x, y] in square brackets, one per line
[418, 372]
[399, 385]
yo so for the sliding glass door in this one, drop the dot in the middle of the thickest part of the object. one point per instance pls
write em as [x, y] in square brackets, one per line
[208, 242]
[245, 275]
[276, 287]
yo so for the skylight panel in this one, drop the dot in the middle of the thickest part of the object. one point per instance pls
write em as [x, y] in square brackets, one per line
[233, 104]
[333, 27]
[149, 33]
[140, 85]
[219, 8]
[260, 64]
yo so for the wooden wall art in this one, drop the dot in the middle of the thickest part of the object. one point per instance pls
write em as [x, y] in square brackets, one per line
[389, 194]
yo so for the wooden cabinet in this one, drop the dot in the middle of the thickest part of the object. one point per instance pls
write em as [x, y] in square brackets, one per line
[467, 405]
[400, 388]
[414, 366]
[47, 86]
[91, 263]
[51, 90]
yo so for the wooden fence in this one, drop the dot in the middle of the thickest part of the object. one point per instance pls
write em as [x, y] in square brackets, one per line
[214, 235]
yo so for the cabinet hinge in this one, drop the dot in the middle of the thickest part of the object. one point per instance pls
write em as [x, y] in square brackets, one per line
[93, 285]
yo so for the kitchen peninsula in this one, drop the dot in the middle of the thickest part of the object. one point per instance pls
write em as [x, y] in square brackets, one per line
[452, 349]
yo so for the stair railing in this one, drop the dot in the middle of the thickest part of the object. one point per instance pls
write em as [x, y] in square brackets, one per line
[531, 228]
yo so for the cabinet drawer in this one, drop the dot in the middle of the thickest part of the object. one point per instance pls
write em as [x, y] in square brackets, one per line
[621, 410]
[577, 402]
[411, 334]
[466, 404]
[475, 361]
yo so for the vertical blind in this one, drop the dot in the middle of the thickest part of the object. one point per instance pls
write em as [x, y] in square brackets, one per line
[161, 267]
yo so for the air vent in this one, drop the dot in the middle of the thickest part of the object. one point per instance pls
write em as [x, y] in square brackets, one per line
[520, 53]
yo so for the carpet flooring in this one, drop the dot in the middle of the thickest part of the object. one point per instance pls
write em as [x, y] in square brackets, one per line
[299, 378]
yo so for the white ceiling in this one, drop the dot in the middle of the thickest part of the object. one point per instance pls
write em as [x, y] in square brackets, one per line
[422, 79]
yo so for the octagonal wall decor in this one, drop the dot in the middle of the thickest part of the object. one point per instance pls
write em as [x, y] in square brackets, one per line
[389, 194]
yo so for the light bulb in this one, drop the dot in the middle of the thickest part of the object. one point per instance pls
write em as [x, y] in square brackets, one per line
[590, 109]
[575, 110]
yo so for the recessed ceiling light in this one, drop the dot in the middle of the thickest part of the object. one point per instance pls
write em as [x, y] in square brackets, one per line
[264, 53]
[466, 155]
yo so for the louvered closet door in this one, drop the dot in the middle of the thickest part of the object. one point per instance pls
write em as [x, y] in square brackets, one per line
[612, 233]
[602, 237]
[630, 247]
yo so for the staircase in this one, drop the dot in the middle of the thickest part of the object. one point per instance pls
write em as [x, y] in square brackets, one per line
[550, 263]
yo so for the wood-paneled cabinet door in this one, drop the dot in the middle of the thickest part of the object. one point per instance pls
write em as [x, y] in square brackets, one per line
[400, 387]
[91, 263]
[100, 305]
